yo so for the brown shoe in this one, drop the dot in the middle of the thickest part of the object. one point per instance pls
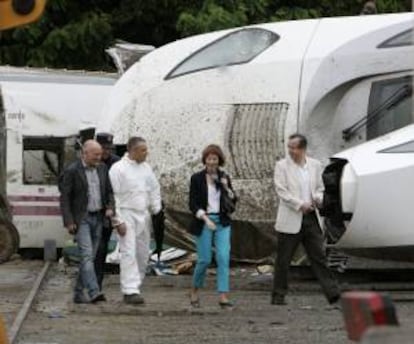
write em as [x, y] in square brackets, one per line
[134, 299]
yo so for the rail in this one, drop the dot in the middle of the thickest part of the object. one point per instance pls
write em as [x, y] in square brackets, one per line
[24, 310]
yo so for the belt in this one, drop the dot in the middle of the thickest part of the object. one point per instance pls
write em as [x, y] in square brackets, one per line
[96, 212]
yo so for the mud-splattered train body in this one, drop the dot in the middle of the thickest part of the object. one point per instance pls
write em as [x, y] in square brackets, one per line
[247, 89]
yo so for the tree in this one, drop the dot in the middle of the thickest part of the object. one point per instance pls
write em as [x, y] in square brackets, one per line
[74, 33]
[67, 36]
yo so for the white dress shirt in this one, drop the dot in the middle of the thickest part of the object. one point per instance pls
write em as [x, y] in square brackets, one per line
[213, 206]
[305, 184]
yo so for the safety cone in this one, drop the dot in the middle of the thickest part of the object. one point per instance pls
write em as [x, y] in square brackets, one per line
[3, 333]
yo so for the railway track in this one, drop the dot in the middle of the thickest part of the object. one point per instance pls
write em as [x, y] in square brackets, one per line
[302, 280]
[14, 329]
[399, 283]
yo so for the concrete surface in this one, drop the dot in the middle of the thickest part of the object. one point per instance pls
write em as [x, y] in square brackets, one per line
[167, 318]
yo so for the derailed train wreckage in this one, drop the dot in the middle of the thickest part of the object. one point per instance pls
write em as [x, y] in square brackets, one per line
[341, 81]
[42, 113]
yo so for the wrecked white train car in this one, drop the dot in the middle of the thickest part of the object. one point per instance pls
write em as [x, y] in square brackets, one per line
[341, 81]
[43, 112]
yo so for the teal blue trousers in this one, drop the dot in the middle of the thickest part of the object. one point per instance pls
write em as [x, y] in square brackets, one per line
[204, 242]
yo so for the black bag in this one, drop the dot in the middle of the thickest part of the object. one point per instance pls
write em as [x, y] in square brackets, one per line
[229, 204]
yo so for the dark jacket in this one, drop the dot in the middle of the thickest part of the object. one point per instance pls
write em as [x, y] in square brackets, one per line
[74, 192]
[113, 158]
[199, 200]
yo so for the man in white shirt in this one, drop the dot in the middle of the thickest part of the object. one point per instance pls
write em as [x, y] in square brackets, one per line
[137, 196]
[299, 186]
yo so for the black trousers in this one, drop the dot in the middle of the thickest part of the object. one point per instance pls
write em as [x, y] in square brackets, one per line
[311, 237]
[101, 253]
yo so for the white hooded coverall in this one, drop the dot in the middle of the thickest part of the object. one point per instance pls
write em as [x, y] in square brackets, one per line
[137, 196]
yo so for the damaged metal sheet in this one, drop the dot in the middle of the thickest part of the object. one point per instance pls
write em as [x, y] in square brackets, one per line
[254, 141]
[125, 54]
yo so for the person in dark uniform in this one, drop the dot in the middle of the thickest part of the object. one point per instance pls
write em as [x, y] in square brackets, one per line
[106, 141]
[108, 158]
[369, 8]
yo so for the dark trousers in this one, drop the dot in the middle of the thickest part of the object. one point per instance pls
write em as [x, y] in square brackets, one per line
[311, 237]
[102, 252]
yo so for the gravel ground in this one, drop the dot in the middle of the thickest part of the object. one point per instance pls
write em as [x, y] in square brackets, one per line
[167, 318]
[16, 279]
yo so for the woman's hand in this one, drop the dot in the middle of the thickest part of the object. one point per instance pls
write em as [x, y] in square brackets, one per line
[210, 224]
[224, 182]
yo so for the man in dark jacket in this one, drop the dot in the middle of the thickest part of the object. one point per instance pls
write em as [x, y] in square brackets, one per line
[86, 199]
[108, 158]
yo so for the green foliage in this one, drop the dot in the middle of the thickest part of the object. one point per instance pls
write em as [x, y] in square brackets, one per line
[389, 6]
[214, 15]
[75, 33]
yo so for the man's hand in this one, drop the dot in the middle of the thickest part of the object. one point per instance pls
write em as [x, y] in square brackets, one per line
[306, 208]
[71, 228]
[109, 213]
[317, 203]
[121, 229]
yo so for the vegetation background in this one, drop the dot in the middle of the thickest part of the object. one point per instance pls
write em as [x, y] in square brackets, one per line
[74, 33]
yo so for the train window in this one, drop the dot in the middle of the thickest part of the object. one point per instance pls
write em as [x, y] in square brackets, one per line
[407, 147]
[390, 106]
[235, 48]
[42, 160]
[402, 39]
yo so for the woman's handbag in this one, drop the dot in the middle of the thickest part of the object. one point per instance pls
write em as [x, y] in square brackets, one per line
[229, 203]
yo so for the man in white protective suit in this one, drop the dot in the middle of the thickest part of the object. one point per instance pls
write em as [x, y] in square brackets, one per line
[137, 197]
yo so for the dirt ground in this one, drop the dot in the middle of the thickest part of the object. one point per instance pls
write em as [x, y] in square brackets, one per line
[166, 317]
[16, 279]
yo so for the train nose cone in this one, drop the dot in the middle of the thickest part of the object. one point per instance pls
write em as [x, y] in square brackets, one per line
[348, 189]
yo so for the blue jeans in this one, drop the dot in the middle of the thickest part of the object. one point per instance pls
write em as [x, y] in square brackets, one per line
[204, 242]
[88, 237]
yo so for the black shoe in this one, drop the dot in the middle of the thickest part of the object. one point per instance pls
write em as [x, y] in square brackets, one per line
[334, 299]
[195, 303]
[79, 298]
[226, 304]
[98, 298]
[278, 300]
[134, 299]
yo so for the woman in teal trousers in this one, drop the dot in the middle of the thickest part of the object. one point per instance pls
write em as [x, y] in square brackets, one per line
[212, 199]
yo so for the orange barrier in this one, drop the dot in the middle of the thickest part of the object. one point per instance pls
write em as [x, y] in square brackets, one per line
[3, 333]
